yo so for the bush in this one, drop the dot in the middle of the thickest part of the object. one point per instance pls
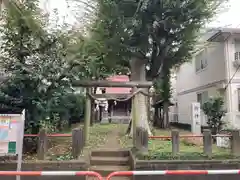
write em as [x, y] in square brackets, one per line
[214, 111]
[66, 109]
[62, 110]
[76, 106]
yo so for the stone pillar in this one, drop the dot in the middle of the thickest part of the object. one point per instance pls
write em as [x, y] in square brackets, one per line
[235, 143]
[207, 142]
[175, 142]
[104, 117]
[142, 140]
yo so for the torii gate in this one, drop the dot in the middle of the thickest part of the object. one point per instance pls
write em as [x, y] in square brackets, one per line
[104, 83]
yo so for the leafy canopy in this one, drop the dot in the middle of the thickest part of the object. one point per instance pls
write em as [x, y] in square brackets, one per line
[38, 65]
[161, 32]
[214, 110]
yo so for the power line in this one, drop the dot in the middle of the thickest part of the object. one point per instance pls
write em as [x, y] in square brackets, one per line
[230, 80]
[238, 67]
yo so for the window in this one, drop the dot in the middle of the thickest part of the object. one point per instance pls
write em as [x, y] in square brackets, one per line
[237, 45]
[202, 97]
[201, 61]
[238, 93]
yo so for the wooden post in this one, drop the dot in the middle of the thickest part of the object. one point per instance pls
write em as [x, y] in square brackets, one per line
[148, 104]
[93, 119]
[207, 142]
[235, 143]
[87, 117]
[134, 117]
[82, 138]
[175, 142]
[76, 142]
[42, 144]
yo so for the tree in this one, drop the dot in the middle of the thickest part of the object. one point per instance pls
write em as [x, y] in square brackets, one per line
[37, 63]
[214, 110]
[158, 34]
[162, 86]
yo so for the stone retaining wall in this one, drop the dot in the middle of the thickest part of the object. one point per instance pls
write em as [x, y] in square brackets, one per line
[45, 166]
[183, 165]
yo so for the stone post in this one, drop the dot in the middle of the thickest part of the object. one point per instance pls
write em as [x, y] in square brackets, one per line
[235, 143]
[142, 140]
[207, 142]
[175, 142]
[42, 144]
[77, 141]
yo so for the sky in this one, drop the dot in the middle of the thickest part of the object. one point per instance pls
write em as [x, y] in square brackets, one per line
[65, 9]
[228, 18]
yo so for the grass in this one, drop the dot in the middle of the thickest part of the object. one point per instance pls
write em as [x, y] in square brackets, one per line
[98, 135]
[97, 138]
[160, 149]
[60, 147]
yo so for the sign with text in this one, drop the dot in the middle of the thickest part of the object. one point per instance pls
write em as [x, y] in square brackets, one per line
[10, 127]
[11, 136]
[196, 118]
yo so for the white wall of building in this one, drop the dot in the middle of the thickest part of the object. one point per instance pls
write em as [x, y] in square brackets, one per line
[184, 105]
[190, 82]
[213, 78]
[232, 45]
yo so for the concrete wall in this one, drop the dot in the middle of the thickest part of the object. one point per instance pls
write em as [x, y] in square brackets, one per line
[187, 165]
[45, 166]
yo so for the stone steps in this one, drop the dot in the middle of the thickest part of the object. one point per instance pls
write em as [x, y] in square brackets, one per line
[110, 153]
[96, 160]
[112, 178]
[106, 161]
[106, 170]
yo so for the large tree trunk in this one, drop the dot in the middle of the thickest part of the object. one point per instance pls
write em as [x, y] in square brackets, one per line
[166, 94]
[93, 112]
[138, 73]
[130, 125]
[87, 117]
[166, 115]
[157, 117]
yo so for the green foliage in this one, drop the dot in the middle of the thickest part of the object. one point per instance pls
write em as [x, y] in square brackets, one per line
[74, 105]
[65, 157]
[38, 68]
[167, 30]
[186, 156]
[49, 125]
[162, 86]
[162, 33]
[214, 110]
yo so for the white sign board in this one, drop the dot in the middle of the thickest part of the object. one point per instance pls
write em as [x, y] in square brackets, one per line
[196, 118]
[223, 142]
[11, 136]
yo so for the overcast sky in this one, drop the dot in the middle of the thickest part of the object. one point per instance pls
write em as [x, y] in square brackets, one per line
[229, 18]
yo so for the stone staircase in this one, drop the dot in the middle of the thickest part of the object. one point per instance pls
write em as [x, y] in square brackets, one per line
[110, 160]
